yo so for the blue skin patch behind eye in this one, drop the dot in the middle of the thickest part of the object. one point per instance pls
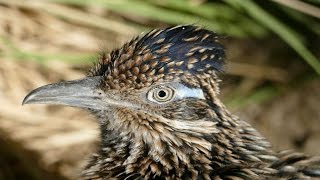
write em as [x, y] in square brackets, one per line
[180, 92]
[183, 91]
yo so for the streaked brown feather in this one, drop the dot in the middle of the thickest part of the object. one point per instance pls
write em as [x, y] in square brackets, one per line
[186, 139]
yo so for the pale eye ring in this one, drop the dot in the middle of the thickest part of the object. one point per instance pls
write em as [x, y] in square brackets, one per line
[161, 94]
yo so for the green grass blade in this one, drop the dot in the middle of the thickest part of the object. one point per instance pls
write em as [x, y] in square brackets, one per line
[288, 35]
[212, 12]
[308, 21]
[42, 58]
[148, 10]
[258, 96]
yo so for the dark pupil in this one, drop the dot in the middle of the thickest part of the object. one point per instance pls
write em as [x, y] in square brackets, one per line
[162, 93]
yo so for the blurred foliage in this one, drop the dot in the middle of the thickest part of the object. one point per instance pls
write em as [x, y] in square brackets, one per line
[240, 18]
[293, 21]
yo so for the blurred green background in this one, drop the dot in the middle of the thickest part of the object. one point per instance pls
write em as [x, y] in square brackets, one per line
[271, 76]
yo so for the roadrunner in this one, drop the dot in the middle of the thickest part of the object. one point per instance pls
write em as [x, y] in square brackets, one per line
[156, 100]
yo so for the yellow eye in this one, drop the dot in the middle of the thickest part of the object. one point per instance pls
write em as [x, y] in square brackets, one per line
[161, 94]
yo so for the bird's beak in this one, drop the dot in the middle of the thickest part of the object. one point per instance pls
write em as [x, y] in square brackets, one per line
[77, 93]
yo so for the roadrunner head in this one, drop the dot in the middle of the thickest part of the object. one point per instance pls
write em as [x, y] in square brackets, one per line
[167, 76]
[156, 98]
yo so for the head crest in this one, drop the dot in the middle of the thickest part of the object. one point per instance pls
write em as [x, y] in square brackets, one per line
[174, 50]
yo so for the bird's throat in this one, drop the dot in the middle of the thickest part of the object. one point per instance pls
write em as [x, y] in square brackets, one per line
[137, 149]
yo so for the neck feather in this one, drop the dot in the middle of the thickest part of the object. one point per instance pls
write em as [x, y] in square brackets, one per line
[160, 151]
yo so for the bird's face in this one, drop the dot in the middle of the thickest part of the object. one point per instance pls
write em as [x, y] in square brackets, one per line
[161, 83]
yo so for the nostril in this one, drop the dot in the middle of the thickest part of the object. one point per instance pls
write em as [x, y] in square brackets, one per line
[99, 93]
